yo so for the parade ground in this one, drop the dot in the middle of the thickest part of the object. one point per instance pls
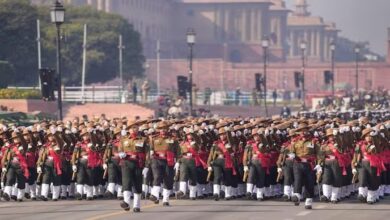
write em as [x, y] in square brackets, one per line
[194, 210]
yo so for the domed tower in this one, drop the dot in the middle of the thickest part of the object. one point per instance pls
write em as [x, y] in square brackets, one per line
[301, 8]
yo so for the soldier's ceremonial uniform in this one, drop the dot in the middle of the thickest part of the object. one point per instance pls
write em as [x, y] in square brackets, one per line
[163, 158]
[132, 151]
[305, 149]
[15, 167]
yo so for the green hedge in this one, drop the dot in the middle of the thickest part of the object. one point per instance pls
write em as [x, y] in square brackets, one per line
[20, 94]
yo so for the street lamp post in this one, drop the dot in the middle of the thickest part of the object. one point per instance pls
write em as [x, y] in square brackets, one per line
[57, 15]
[332, 50]
[303, 49]
[191, 35]
[357, 52]
[265, 45]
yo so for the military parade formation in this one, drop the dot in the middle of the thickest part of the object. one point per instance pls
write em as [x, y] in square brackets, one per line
[325, 156]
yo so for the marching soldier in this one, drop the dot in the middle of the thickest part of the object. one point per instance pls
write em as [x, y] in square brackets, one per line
[111, 165]
[15, 167]
[189, 161]
[367, 162]
[305, 150]
[163, 156]
[132, 151]
[285, 165]
[257, 163]
[335, 166]
[49, 165]
[220, 163]
[32, 157]
[85, 160]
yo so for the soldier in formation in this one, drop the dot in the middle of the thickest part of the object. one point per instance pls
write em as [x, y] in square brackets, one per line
[332, 156]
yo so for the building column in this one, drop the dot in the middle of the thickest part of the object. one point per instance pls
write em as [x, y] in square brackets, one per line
[100, 5]
[259, 25]
[253, 25]
[108, 6]
[319, 51]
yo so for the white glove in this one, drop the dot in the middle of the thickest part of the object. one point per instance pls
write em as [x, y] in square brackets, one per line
[372, 147]
[123, 132]
[246, 168]
[74, 168]
[291, 155]
[354, 171]
[4, 170]
[145, 172]
[39, 170]
[176, 167]
[209, 169]
[279, 170]
[122, 155]
[318, 168]
[105, 166]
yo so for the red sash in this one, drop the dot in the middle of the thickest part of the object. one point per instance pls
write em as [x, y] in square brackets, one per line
[342, 159]
[93, 156]
[195, 154]
[265, 159]
[56, 160]
[22, 162]
[31, 159]
[375, 160]
[228, 158]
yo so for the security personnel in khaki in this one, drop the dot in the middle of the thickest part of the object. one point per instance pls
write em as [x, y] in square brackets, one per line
[132, 151]
[305, 150]
[163, 158]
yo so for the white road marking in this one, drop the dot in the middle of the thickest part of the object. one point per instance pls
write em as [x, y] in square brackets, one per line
[321, 206]
[303, 213]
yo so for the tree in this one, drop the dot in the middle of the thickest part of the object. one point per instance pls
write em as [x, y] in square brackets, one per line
[102, 45]
[6, 73]
[17, 40]
[18, 43]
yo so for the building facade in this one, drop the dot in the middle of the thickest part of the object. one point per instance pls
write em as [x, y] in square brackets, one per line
[228, 29]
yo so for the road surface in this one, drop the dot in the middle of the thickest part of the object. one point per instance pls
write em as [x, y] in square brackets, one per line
[193, 210]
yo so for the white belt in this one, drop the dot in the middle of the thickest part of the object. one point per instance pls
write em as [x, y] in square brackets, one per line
[331, 157]
[49, 158]
[84, 157]
[304, 160]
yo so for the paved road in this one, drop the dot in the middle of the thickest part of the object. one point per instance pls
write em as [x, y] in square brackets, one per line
[193, 210]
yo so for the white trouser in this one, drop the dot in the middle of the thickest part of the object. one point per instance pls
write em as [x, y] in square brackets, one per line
[156, 191]
[335, 193]
[363, 191]
[111, 187]
[127, 197]
[287, 190]
[56, 192]
[183, 187]
[137, 201]
[80, 189]
[45, 190]
[192, 192]
[260, 193]
[217, 189]
[166, 194]
[20, 194]
[327, 190]
[64, 190]
[89, 191]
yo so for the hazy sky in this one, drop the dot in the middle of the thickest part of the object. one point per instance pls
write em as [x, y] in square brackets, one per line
[362, 20]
